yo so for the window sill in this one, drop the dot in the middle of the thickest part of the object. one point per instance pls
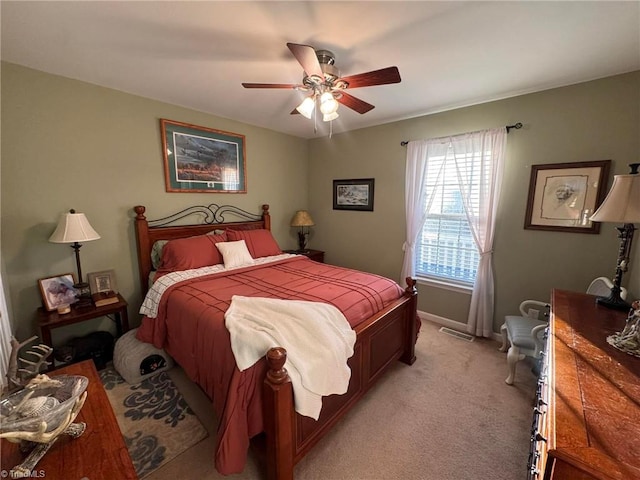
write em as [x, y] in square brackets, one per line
[454, 287]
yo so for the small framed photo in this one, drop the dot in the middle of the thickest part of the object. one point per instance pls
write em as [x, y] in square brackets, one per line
[200, 159]
[353, 194]
[562, 196]
[102, 282]
[57, 291]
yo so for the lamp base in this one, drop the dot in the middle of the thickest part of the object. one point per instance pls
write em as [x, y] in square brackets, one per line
[83, 295]
[613, 301]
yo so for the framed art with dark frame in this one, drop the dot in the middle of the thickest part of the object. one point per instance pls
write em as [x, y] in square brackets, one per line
[353, 194]
[201, 159]
[102, 282]
[57, 291]
[562, 196]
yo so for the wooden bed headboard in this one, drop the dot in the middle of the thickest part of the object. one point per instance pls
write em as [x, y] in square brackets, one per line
[212, 217]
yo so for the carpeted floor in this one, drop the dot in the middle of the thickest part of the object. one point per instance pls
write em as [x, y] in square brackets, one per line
[156, 422]
[450, 416]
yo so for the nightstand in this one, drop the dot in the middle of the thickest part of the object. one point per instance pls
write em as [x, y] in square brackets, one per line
[316, 255]
[47, 321]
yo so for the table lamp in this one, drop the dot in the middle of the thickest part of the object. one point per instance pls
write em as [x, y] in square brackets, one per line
[74, 228]
[302, 219]
[622, 205]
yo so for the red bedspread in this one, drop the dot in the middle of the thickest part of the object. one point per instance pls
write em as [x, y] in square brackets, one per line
[190, 327]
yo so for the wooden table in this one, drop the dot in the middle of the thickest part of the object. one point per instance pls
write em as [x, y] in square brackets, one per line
[99, 454]
[47, 321]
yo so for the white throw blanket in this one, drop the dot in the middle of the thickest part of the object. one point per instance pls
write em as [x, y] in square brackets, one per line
[317, 337]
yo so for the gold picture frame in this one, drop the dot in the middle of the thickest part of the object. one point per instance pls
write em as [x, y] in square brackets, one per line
[562, 196]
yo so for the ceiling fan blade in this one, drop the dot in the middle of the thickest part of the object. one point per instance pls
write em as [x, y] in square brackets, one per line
[383, 76]
[354, 103]
[306, 56]
[294, 112]
[270, 85]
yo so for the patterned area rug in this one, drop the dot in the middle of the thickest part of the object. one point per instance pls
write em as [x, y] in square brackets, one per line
[156, 422]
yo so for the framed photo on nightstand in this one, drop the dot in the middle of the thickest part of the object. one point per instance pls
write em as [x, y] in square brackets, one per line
[102, 282]
[57, 291]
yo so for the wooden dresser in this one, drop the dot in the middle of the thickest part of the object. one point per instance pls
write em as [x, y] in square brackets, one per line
[587, 419]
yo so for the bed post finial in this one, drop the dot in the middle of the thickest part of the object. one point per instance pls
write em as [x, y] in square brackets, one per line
[279, 416]
[139, 209]
[266, 216]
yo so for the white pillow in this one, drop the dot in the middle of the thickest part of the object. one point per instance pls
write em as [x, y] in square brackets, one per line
[235, 254]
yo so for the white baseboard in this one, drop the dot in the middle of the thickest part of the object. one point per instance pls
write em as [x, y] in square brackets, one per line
[452, 324]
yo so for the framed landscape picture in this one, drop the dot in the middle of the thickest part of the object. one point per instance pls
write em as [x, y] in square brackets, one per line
[353, 194]
[562, 196]
[200, 159]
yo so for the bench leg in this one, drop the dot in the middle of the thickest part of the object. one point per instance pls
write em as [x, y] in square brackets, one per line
[513, 357]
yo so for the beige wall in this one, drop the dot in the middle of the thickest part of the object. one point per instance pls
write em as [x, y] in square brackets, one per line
[68, 144]
[597, 120]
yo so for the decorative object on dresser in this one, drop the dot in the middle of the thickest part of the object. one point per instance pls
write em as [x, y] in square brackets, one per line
[74, 228]
[353, 194]
[302, 219]
[622, 205]
[201, 159]
[628, 340]
[103, 287]
[563, 195]
[39, 413]
[58, 292]
[21, 370]
[586, 423]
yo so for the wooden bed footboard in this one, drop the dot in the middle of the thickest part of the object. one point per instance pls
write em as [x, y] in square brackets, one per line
[389, 336]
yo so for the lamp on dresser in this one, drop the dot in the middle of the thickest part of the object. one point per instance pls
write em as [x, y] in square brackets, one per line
[622, 205]
[74, 228]
[301, 220]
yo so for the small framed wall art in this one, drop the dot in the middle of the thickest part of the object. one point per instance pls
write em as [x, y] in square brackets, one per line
[562, 196]
[353, 194]
[57, 291]
[200, 159]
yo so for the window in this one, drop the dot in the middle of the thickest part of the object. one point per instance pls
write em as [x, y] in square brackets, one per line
[445, 249]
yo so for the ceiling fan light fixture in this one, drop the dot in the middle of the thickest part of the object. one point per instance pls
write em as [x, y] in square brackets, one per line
[328, 104]
[327, 117]
[306, 107]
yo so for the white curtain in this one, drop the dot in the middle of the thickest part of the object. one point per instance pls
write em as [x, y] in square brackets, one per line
[416, 201]
[479, 160]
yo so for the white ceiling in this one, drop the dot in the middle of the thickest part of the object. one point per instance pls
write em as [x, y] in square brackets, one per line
[450, 54]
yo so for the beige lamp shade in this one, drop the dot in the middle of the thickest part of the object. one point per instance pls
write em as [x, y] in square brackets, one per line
[73, 227]
[622, 204]
[302, 219]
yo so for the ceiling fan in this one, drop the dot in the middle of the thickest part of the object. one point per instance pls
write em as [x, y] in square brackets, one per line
[325, 86]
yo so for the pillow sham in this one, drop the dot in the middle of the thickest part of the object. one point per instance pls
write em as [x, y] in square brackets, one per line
[156, 250]
[156, 253]
[260, 242]
[235, 254]
[191, 252]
